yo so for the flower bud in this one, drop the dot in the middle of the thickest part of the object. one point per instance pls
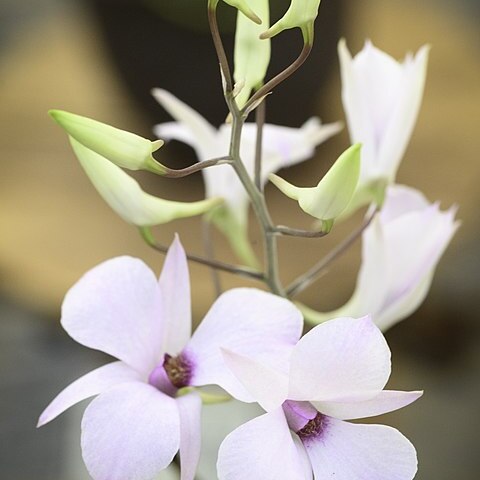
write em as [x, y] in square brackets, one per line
[252, 55]
[123, 148]
[332, 195]
[301, 14]
[125, 196]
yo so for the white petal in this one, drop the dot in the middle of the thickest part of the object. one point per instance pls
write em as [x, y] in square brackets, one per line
[189, 409]
[175, 290]
[400, 126]
[203, 133]
[267, 386]
[346, 451]
[284, 146]
[386, 401]
[93, 383]
[249, 322]
[175, 131]
[116, 308]
[261, 449]
[131, 432]
[341, 359]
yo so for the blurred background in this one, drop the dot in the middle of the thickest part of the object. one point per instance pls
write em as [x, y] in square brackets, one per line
[100, 58]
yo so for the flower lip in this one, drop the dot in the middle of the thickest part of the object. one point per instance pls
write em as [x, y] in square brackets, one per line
[305, 420]
[313, 429]
[178, 369]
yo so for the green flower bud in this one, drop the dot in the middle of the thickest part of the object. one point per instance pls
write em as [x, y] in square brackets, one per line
[125, 196]
[301, 14]
[333, 194]
[123, 148]
[252, 55]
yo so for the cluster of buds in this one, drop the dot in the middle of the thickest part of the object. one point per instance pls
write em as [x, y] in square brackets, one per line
[250, 344]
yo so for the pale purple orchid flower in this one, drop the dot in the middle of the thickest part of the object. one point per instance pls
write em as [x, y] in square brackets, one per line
[400, 251]
[337, 372]
[381, 99]
[139, 420]
[282, 147]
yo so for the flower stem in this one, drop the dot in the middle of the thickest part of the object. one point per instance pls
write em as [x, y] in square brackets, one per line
[147, 235]
[305, 280]
[208, 247]
[260, 114]
[282, 76]
[184, 172]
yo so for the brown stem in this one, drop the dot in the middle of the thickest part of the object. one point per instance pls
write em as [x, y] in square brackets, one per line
[217, 41]
[226, 267]
[282, 76]
[296, 232]
[184, 172]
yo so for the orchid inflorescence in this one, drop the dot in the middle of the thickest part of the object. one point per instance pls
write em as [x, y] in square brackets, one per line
[250, 344]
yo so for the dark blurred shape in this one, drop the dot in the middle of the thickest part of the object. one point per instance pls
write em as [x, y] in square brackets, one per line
[154, 46]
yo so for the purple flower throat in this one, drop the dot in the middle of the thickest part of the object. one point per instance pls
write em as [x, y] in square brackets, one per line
[172, 374]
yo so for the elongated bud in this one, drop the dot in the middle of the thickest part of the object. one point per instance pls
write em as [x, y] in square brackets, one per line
[301, 14]
[123, 148]
[332, 195]
[252, 55]
[125, 196]
[241, 5]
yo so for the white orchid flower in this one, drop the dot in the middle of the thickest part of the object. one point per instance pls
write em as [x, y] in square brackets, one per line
[282, 147]
[400, 251]
[381, 99]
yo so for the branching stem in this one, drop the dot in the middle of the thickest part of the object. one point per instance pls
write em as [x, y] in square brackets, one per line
[305, 280]
[226, 267]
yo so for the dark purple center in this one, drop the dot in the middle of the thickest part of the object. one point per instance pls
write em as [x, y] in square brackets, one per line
[178, 370]
[313, 428]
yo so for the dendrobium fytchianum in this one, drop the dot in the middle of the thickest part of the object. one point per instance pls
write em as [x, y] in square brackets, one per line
[148, 402]
[337, 372]
[381, 99]
[400, 250]
[282, 147]
[145, 412]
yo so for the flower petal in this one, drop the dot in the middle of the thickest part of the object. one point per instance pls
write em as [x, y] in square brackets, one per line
[175, 291]
[261, 448]
[386, 401]
[116, 308]
[249, 322]
[344, 359]
[267, 386]
[203, 133]
[93, 383]
[347, 451]
[189, 409]
[130, 432]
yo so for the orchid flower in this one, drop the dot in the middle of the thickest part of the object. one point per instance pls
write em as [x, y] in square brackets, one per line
[400, 251]
[381, 98]
[144, 413]
[282, 147]
[337, 372]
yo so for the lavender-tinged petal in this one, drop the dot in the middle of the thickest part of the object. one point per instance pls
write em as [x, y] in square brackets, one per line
[346, 451]
[130, 432]
[189, 409]
[261, 448]
[175, 291]
[267, 386]
[341, 358]
[116, 308]
[386, 401]
[93, 383]
[249, 322]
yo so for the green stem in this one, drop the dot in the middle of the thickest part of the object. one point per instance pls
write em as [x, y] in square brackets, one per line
[258, 202]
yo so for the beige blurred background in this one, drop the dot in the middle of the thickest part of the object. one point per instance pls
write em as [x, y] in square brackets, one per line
[53, 225]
